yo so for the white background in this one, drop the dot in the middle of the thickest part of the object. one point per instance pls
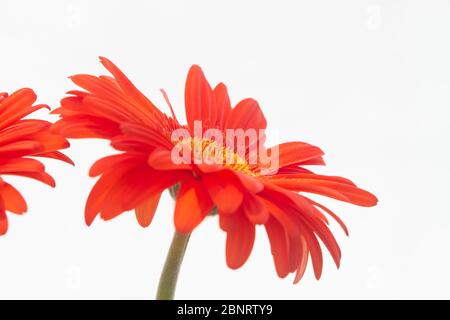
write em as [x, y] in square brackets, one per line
[367, 81]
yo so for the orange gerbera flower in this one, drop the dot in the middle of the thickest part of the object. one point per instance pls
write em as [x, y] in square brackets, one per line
[246, 191]
[20, 139]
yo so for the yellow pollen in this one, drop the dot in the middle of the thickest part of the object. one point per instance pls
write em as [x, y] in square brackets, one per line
[208, 151]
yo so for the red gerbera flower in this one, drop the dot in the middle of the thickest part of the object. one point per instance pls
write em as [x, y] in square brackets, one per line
[20, 139]
[246, 192]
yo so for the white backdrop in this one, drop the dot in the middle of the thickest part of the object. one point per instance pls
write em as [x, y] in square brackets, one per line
[367, 81]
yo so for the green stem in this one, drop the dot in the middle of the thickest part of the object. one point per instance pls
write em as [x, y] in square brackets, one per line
[169, 275]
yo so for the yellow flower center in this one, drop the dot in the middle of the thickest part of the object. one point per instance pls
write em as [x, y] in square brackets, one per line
[207, 151]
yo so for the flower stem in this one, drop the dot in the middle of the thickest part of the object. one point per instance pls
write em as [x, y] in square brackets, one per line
[169, 275]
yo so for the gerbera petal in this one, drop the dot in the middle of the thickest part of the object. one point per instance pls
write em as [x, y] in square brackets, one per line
[146, 210]
[240, 239]
[250, 183]
[192, 206]
[13, 105]
[223, 104]
[98, 194]
[313, 162]
[3, 221]
[131, 144]
[106, 101]
[13, 200]
[128, 87]
[209, 167]
[332, 214]
[290, 153]
[154, 137]
[161, 159]
[136, 188]
[112, 99]
[332, 189]
[84, 126]
[21, 165]
[279, 244]
[224, 190]
[292, 169]
[20, 148]
[311, 176]
[255, 209]
[302, 253]
[130, 190]
[199, 102]
[108, 109]
[326, 236]
[287, 213]
[22, 129]
[316, 254]
[246, 115]
[56, 155]
[110, 162]
[50, 142]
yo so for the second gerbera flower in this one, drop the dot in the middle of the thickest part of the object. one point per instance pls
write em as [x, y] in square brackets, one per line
[21, 141]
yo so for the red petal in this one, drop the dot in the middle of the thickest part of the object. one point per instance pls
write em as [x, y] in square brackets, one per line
[282, 208]
[295, 153]
[146, 210]
[109, 110]
[200, 105]
[21, 165]
[224, 191]
[191, 207]
[40, 176]
[21, 129]
[315, 252]
[83, 126]
[161, 160]
[255, 209]
[20, 148]
[312, 176]
[292, 169]
[240, 239]
[130, 190]
[50, 142]
[13, 200]
[128, 87]
[111, 162]
[155, 138]
[222, 103]
[325, 235]
[3, 221]
[303, 260]
[279, 245]
[18, 105]
[332, 189]
[246, 115]
[97, 196]
[144, 182]
[56, 155]
[332, 214]
[250, 183]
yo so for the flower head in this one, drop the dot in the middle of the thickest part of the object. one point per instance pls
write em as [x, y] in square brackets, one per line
[219, 161]
[21, 139]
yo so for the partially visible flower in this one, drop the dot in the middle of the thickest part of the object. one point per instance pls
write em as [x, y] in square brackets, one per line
[245, 192]
[21, 139]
